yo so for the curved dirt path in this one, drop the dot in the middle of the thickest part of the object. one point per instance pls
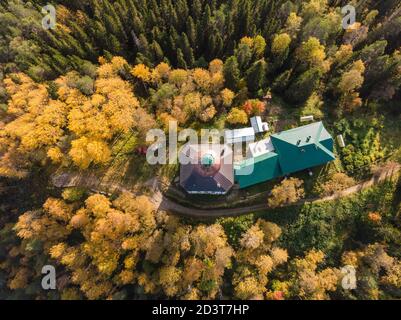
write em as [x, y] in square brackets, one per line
[163, 203]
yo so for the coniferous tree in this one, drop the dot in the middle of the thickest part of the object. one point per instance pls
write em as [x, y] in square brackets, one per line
[256, 76]
[187, 50]
[191, 33]
[180, 59]
[231, 73]
[303, 86]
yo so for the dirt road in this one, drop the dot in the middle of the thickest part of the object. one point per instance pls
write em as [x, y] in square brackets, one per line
[163, 203]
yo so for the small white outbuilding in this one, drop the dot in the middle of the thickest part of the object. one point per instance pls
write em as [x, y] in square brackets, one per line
[341, 141]
[239, 135]
[258, 125]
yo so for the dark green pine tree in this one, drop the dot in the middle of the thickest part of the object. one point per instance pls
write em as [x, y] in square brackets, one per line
[219, 45]
[270, 23]
[135, 18]
[204, 29]
[152, 19]
[196, 9]
[215, 45]
[231, 73]
[211, 45]
[112, 22]
[154, 7]
[229, 37]
[281, 82]
[180, 60]
[302, 88]
[143, 44]
[182, 12]
[191, 32]
[244, 56]
[213, 5]
[173, 44]
[157, 34]
[157, 51]
[243, 19]
[173, 17]
[187, 50]
[255, 76]
[115, 45]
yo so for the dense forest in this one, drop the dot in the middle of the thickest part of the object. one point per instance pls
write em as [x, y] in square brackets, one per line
[80, 98]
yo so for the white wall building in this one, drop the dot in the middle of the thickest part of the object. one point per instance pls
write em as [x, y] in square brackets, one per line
[259, 126]
[239, 135]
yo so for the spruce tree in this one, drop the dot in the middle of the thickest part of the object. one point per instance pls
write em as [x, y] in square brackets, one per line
[180, 59]
[187, 50]
[255, 77]
[231, 73]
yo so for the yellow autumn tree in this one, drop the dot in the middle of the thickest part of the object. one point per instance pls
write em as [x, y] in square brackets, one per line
[85, 151]
[35, 123]
[110, 231]
[142, 72]
[237, 116]
[312, 52]
[227, 96]
[77, 127]
[308, 282]
[256, 258]
[287, 192]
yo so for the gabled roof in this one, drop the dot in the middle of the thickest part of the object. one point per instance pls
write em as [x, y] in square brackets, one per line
[303, 147]
[259, 169]
[301, 136]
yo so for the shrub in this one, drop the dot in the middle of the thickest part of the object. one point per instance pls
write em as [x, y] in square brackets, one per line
[287, 192]
[237, 116]
[73, 194]
[338, 182]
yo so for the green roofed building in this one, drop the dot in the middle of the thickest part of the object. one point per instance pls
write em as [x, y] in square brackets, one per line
[262, 166]
[284, 153]
[303, 147]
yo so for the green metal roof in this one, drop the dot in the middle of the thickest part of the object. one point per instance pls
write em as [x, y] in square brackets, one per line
[305, 135]
[251, 161]
[259, 169]
[303, 147]
[294, 150]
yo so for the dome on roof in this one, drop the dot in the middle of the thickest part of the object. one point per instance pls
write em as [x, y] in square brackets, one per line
[209, 164]
[206, 169]
[207, 160]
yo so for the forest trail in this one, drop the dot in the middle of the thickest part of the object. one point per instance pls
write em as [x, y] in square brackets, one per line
[166, 204]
